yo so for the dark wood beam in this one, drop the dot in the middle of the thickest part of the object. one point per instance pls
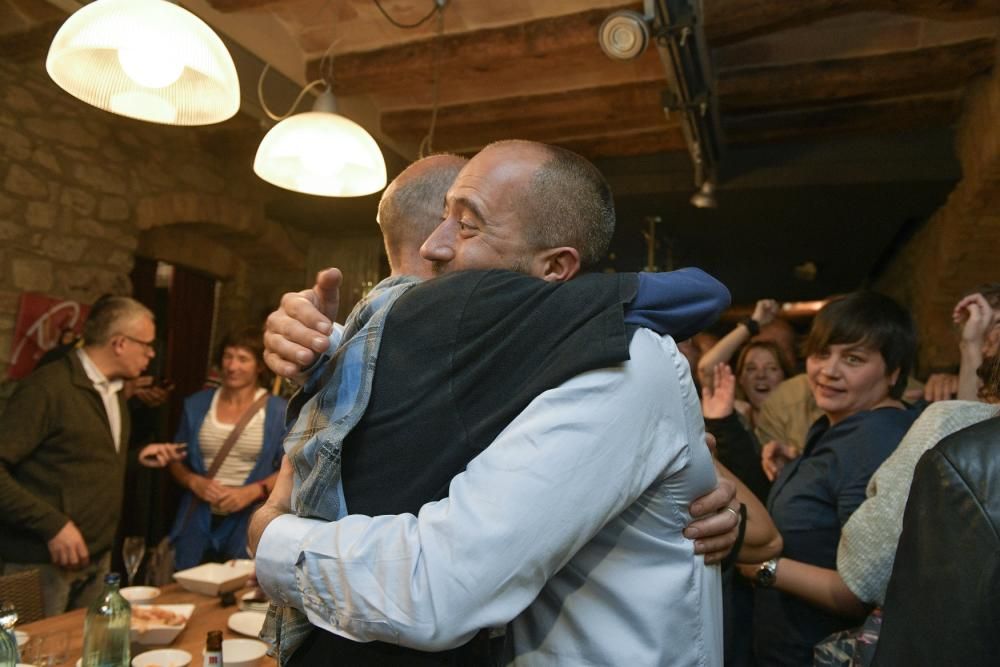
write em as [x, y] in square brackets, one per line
[880, 116]
[30, 44]
[666, 139]
[899, 74]
[240, 5]
[549, 54]
[729, 21]
[552, 118]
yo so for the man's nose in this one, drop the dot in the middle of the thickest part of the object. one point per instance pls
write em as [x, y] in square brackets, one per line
[440, 245]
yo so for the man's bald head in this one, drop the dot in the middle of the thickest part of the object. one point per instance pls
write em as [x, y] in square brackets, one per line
[524, 206]
[410, 209]
[568, 203]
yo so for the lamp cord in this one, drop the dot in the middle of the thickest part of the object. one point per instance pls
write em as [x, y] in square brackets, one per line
[407, 25]
[295, 104]
[427, 143]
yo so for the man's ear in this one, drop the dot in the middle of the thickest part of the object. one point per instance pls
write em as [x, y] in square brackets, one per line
[557, 264]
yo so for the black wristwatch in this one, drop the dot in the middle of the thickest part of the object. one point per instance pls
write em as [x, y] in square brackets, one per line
[752, 325]
[766, 573]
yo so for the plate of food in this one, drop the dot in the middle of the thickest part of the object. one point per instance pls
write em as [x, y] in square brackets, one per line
[159, 624]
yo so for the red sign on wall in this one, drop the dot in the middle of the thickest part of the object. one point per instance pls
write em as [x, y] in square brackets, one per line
[40, 320]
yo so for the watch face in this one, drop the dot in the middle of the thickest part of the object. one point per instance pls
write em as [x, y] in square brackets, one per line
[766, 574]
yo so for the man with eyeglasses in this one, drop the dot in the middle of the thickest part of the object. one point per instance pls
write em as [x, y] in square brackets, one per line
[63, 442]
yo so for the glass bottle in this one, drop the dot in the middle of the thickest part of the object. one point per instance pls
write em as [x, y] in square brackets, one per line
[106, 628]
[213, 649]
[8, 641]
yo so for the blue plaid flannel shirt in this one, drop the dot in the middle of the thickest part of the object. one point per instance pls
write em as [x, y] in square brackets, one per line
[313, 444]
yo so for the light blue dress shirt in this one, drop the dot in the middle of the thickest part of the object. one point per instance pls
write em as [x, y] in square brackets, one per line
[568, 527]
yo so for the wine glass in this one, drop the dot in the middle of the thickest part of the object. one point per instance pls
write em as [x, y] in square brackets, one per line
[133, 549]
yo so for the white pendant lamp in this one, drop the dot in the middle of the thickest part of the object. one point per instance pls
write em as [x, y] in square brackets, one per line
[321, 153]
[145, 59]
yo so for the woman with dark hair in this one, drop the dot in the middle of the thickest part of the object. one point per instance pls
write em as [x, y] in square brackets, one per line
[859, 353]
[233, 436]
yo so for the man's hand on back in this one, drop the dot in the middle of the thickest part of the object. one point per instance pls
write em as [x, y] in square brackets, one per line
[68, 549]
[717, 526]
[297, 332]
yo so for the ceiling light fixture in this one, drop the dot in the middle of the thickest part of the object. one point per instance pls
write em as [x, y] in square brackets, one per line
[705, 196]
[146, 59]
[319, 152]
[624, 34]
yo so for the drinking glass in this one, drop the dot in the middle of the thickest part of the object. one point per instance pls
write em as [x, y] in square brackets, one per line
[46, 650]
[133, 549]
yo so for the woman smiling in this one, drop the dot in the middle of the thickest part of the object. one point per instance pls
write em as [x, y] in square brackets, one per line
[233, 437]
[858, 357]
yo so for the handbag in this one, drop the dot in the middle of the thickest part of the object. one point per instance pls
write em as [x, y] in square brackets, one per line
[850, 648]
[161, 561]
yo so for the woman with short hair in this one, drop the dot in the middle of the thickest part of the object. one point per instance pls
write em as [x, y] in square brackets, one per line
[858, 356]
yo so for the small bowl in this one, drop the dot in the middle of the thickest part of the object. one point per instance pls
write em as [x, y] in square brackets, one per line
[215, 578]
[136, 594]
[162, 657]
[241, 652]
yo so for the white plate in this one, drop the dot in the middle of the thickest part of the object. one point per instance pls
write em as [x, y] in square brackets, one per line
[242, 652]
[22, 638]
[154, 634]
[136, 594]
[162, 657]
[247, 623]
[215, 578]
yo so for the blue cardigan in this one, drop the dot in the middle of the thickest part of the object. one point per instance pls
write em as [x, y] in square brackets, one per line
[230, 537]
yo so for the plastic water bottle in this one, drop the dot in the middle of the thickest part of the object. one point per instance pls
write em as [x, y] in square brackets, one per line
[106, 628]
[8, 641]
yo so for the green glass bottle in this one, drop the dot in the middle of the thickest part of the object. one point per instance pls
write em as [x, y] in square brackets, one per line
[106, 628]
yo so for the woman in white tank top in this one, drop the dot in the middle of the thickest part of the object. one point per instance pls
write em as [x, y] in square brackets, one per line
[211, 520]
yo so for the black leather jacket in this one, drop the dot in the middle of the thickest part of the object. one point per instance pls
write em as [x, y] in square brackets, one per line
[943, 602]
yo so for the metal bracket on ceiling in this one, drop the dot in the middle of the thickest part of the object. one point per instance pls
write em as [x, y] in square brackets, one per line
[680, 40]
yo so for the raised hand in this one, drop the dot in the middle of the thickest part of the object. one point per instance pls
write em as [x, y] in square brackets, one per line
[765, 311]
[717, 400]
[297, 332]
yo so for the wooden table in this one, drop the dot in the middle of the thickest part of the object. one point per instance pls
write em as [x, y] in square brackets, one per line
[208, 615]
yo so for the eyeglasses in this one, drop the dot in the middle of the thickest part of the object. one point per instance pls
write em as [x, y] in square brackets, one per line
[148, 345]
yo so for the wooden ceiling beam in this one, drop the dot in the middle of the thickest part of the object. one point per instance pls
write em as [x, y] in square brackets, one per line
[227, 6]
[29, 44]
[729, 21]
[551, 118]
[899, 74]
[805, 90]
[553, 53]
[873, 116]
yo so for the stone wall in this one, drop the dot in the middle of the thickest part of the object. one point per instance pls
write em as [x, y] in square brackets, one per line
[959, 246]
[82, 191]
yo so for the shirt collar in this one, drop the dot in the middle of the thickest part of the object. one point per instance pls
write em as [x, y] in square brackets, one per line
[96, 376]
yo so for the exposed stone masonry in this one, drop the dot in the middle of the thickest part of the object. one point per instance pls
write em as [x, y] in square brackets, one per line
[73, 184]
